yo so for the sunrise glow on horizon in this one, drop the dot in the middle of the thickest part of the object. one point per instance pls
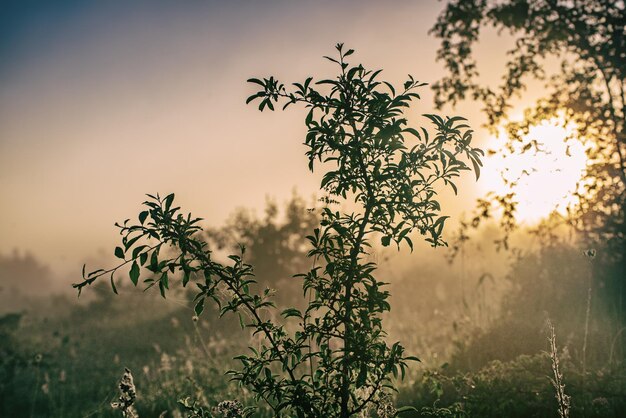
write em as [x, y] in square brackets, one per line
[544, 180]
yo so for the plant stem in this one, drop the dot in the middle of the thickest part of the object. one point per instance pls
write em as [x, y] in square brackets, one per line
[356, 250]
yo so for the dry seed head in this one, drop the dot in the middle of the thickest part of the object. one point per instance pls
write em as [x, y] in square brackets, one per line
[128, 395]
[229, 409]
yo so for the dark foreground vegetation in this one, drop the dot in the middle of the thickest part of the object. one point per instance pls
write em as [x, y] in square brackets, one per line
[63, 359]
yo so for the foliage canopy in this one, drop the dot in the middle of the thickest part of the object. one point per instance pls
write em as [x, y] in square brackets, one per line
[587, 91]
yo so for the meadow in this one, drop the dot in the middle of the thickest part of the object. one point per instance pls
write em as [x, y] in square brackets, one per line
[484, 353]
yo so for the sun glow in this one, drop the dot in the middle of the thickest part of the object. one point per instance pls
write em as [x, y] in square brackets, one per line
[544, 177]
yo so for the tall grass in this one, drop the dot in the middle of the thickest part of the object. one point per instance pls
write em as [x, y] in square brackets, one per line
[557, 380]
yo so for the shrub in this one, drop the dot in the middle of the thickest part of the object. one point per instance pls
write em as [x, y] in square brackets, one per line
[337, 363]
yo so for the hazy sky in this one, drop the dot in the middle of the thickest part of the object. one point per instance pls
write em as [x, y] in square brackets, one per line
[102, 102]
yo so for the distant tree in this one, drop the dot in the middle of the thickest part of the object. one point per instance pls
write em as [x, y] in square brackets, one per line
[587, 90]
[275, 244]
[24, 273]
[23, 279]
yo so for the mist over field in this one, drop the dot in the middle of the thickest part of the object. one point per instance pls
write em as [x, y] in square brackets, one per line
[506, 285]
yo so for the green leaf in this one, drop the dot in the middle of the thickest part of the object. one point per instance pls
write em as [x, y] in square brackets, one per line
[119, 252]
[255, 96]
[408, 241]
[134, 273]
[154, 261]
[162, 289]
[138, 249]
[256, 81]
[168, 201]
[142, 216]
[291, 312]
[199, 307]
[131, 241]
[413, 132]
[390, 86]
[438, 225]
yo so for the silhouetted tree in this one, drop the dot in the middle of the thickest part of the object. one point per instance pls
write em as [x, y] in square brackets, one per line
[587, 92]
[337, 363]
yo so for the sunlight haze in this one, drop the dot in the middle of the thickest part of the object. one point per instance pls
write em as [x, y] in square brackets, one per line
[102, 104]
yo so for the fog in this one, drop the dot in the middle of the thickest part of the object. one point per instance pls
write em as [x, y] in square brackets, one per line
[101, 104]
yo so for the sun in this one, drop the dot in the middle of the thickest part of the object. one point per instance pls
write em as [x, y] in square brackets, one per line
[543, 178]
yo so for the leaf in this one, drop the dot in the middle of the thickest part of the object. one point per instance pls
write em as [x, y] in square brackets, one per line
[199, 307]
[255, 96]
[476, 165]
[390, 86]
[438, 225]
[113, 285]
[168, 201]
[142, 216]
[154, 261]
[137, 250]
[351, 72]
[162, 289]
[413, 132]
[256, 81]
[454, 187]
[119, 252]
[408, 241]
[291, 312]
[436, 119]
[131, 241]
[134, 273]
[385, 240]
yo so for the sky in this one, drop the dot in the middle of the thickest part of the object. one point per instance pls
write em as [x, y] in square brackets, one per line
[103, 102]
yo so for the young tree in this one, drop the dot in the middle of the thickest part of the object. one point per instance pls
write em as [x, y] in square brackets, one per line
[337, 363]
[275, 244]
[588, 90]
